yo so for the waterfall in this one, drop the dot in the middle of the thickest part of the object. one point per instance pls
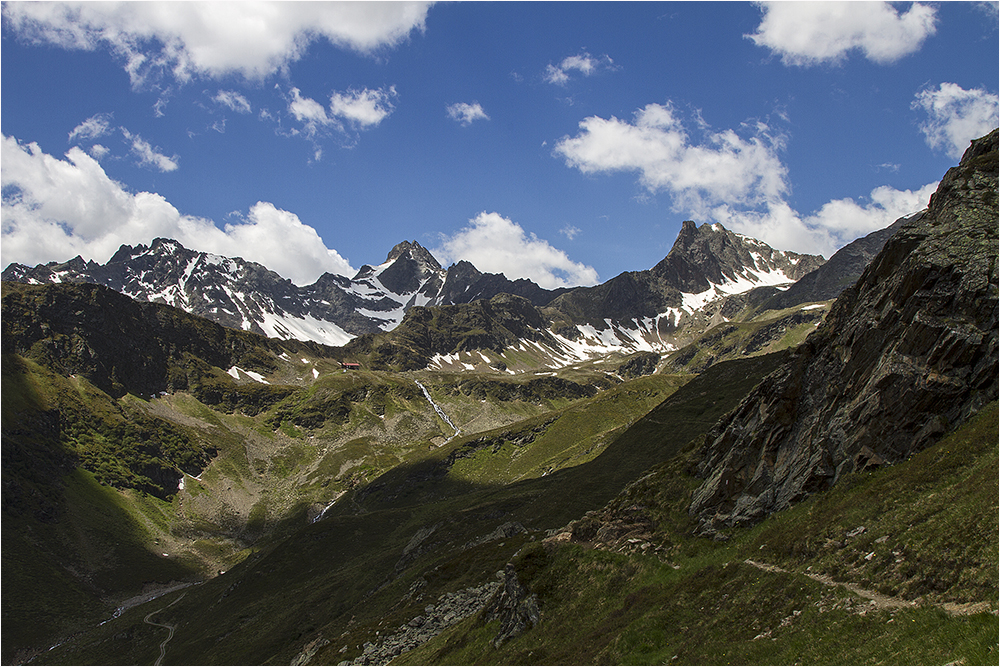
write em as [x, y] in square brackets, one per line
[437, 409]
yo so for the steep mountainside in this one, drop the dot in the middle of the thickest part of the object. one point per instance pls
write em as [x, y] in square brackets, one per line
[432, 335]
[906, 353]
[125, 346]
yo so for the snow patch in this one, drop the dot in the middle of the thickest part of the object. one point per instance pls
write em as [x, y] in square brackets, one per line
[257, 377]
[305, 328]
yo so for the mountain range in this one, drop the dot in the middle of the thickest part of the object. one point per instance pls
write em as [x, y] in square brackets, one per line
[739, 455]
[641, 310]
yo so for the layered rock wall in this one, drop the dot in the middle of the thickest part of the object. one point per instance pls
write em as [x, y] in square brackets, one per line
[905, 354]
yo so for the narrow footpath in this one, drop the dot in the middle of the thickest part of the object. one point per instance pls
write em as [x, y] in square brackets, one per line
[171, 628]
[879, 600]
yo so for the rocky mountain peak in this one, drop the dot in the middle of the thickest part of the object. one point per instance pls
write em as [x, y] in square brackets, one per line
[713, 255]
[414, 251]
[409, 268]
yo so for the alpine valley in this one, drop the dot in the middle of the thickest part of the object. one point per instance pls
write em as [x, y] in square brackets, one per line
[740, 455]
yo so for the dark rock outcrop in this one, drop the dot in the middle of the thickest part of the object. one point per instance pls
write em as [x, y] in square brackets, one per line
[493, 324]
[513, 606]
[464, 283]
[904, 355]
[449, 610]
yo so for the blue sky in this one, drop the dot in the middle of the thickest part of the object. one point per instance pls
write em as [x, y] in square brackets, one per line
[564, 142]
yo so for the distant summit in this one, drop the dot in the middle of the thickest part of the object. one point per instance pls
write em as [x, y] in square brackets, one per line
[710, 256]
[705, 264]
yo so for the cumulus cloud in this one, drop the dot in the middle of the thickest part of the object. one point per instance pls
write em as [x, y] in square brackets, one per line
[55, 209]
[723, 168]
[466, 113]
[724, 177]
[812, 33]
[94, 127]
[233, 100]
[835, 224]
[213, 39]
[956, 116]
[308, 111]
[147, 155]
[584, 63]
[363, 108]
[496, 244]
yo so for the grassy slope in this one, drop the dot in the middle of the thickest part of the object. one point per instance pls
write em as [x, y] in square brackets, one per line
[68, 543]
[930, 527]
[750, 333]
[346, 577]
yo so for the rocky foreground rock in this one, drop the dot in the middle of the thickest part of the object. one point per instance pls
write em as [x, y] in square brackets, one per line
[905, 354]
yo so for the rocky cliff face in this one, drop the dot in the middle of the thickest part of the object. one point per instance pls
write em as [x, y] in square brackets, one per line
[905, 354]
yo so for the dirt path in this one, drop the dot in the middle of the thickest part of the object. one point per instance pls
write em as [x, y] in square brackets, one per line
[171, 628]
[881, 601]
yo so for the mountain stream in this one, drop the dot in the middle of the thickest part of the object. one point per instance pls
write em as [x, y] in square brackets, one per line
[437, 409]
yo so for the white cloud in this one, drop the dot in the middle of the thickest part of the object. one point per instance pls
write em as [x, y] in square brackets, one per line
[740, 182]
[280, 241]
[466, 113]
[233, 100]
[55, 209]
[812, 33]
[834, 225]
[309, 112]
[94, 127]
[991, 10]
[724, 168]
[147, 155]
[187, 39]
[584, 63]
[495, 244]
[956, 116]
[570, 231]
[363, 108]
